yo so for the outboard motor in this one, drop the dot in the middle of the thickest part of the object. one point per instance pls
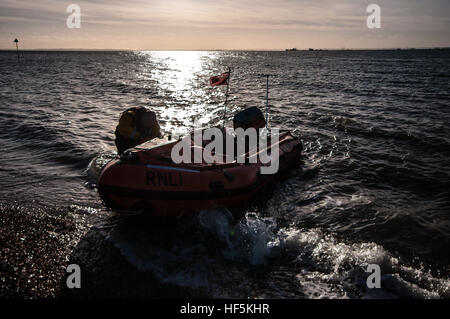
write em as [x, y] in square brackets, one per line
[250, 117]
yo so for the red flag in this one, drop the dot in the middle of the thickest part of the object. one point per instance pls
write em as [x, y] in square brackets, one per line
[220, 79]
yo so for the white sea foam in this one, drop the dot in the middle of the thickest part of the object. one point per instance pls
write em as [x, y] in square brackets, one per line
[323, 266]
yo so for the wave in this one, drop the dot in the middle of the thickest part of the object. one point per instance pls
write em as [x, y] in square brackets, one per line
[321, 265]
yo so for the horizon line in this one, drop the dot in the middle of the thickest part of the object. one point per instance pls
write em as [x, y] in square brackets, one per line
[256, 50]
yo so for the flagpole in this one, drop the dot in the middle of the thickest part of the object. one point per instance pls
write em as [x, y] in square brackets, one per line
[267, 101]
[226, 97]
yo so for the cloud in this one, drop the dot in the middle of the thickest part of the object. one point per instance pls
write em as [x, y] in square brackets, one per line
[280, 19]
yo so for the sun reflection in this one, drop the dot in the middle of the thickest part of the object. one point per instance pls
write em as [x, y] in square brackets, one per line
[182, 66]
[182, 80]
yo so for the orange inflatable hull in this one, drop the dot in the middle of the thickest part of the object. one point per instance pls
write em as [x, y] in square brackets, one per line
[146, 180]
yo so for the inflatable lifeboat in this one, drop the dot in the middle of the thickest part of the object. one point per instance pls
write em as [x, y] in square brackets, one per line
[146, 179]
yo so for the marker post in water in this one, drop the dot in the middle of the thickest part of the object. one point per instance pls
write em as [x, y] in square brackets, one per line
[17, 49]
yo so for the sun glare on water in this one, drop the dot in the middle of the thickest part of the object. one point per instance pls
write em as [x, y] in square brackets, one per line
[182, 80]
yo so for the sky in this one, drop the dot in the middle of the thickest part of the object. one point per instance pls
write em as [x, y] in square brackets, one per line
[224, 24]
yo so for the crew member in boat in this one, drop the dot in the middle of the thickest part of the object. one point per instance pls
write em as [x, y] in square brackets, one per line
[136, 126]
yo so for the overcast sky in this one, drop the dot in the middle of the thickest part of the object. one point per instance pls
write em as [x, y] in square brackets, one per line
[227, 24]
